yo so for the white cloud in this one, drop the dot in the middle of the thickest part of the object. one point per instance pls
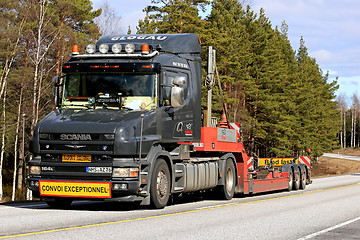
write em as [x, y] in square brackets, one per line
[323, 56]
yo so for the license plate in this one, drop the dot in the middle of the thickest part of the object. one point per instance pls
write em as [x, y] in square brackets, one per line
[76, 158]
[75, 189]
[98, 170]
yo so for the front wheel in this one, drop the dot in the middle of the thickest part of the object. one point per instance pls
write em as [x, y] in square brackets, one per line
[160, 184]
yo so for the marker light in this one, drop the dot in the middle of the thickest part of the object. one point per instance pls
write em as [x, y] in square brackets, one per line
[116, 48]
[35, 170]
[129, 48]
[75, 50]
[104, 48]
[91, 48]
[145, 49]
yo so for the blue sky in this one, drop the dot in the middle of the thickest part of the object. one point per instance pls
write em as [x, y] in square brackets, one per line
[331, 30]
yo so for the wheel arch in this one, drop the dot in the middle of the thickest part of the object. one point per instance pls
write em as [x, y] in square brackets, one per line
[222, 166]
[155, 153]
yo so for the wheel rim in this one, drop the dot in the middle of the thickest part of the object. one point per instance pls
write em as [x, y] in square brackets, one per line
[290, 180]
[229, 180]
[297, 180]
[162, 184]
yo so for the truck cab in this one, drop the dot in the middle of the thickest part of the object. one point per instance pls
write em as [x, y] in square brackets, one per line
[125, 102]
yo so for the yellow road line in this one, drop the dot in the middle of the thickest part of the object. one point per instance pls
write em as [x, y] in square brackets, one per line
[171, 214]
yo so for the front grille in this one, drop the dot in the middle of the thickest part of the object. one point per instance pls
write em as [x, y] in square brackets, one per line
[79, 147]
[93, 136]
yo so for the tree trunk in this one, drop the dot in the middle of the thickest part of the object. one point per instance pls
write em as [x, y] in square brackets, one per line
[344, 126]
[352, 129]
[16, 150]
[2, 145]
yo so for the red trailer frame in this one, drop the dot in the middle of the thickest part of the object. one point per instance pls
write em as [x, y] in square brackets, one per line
[215, 139]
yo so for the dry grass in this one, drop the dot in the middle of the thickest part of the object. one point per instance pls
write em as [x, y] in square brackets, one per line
[335, 166]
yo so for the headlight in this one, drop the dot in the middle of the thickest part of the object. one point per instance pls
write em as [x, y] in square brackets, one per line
[125, 172]
[35, 170]
[91, 48]
[44, 136]
[129, 48]
[116, 48]
[104, 48]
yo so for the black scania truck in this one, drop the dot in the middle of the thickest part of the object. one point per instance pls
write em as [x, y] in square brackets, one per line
[121, 110]
[127, 127]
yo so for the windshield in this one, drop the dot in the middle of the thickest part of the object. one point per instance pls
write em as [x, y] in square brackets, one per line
[133, 91]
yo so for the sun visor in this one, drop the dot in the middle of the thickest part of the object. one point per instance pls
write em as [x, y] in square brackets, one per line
[174, 43]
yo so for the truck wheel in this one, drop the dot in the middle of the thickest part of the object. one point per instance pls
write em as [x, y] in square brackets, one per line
[160, 184]
[291, 180]
[302, 180]
[228, 189]
[60, 203]
[296, 179]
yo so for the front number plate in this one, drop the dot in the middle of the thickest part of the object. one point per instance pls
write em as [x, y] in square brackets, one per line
[76, 158]
[98, 169]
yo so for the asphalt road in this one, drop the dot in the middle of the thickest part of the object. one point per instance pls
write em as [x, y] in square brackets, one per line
[327, 209]
[348, 157]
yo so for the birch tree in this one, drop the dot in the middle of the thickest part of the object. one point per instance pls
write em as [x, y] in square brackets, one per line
[342, 108]
[108, 22]
[355, 108]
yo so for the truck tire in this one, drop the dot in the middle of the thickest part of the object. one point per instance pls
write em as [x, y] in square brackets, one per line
[160, 184]
[296, 179]
[228, 189]
[302, 180]
[59, 203]
[291, 180]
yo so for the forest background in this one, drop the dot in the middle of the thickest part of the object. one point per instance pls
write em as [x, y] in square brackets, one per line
[283, 100]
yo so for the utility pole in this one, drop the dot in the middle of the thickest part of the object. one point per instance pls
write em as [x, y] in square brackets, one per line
[210, 82]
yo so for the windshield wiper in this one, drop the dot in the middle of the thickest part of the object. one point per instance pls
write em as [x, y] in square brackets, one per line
[117, 107]
[77, 105]
[126, 108]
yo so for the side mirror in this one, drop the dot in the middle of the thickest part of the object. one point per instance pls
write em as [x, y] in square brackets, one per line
[56, 90]
[177, 96]
[177, 92]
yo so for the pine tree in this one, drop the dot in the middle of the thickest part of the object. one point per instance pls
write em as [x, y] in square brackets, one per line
[172, 16]
[317, 108]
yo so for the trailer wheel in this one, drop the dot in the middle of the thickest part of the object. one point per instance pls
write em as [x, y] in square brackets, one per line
[296, 179]
[228, 189]
[59, 203]
[302, 180]
[160, 184]
[291, 180]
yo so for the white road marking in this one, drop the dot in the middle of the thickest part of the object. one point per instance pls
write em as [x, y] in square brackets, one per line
[329, 229]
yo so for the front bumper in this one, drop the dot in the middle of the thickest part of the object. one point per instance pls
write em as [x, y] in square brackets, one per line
[128, 190]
